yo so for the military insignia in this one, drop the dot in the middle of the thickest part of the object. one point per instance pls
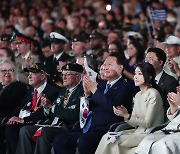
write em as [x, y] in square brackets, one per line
[67, 67]
[35, 66]
[29, 59]
[58, 100]
[29, 104]
[35, 108]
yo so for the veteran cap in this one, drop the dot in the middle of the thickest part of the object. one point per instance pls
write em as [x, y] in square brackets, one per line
[73, 67]
[36, 68]
[57, 38]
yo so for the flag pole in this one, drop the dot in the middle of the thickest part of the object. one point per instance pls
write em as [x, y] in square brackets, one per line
[151, 20]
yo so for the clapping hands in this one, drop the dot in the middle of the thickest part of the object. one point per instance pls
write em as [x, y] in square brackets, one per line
[88, 85]
[121, 111]
[45, 102]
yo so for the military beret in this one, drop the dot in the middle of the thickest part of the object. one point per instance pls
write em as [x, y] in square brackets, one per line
[57, 38]
[5, 37]
[36, 68]
[73, 67]
[78, 38]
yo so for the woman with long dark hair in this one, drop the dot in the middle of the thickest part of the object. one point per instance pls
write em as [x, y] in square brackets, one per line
[136, 55]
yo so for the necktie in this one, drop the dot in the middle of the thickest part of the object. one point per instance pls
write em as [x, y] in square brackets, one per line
[107, 88]
[66, 97]
[54, 61]
[34, 99]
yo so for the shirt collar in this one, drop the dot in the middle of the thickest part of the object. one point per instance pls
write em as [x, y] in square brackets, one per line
[26, 55]
[73, 88]
[113, 82]
[157, 78]
[41, 88]
[58, 56]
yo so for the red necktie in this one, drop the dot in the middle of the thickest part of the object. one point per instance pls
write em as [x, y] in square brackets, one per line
[34, 99]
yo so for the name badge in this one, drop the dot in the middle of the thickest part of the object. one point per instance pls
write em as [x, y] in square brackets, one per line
[24, 113]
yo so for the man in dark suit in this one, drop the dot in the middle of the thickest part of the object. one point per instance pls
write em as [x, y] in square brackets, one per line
[100, 115]
[30, 110]
[64, 111]
[167, 83]
[58, 42]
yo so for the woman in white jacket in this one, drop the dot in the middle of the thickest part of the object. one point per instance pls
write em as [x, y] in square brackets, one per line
[167, 140]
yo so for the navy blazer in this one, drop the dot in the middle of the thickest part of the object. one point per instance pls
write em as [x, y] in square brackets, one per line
[167, 84]
[102, 104]
[50, 91]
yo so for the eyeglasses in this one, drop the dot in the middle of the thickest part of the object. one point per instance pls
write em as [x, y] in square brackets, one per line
[68, 74]
[7, 71]
[149, 59]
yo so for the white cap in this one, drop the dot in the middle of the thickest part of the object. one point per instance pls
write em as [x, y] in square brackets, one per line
[54, 36]
[172, 40]
[134, 34]
[171, 19]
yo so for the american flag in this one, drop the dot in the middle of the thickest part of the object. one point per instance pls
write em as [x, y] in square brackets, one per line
[158, 14]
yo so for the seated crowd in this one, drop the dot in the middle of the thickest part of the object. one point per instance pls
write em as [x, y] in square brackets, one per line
[63, 88]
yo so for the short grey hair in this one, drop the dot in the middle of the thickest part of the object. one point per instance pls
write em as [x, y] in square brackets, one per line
[8, 60]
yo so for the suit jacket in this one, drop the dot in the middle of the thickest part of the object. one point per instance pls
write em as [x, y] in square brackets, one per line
[11, 97]
[50, 92]
[68, 114]
[102, 104]
[54, 75]
[23, 63]
[167, 84]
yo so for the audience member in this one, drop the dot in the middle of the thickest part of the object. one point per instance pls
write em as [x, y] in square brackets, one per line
[12, 93]
[172, 50]
[58, 42]
[165, 140]
[166, 83]
[136, 55]
[30, 110]
[26, 59]
[7, 53]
